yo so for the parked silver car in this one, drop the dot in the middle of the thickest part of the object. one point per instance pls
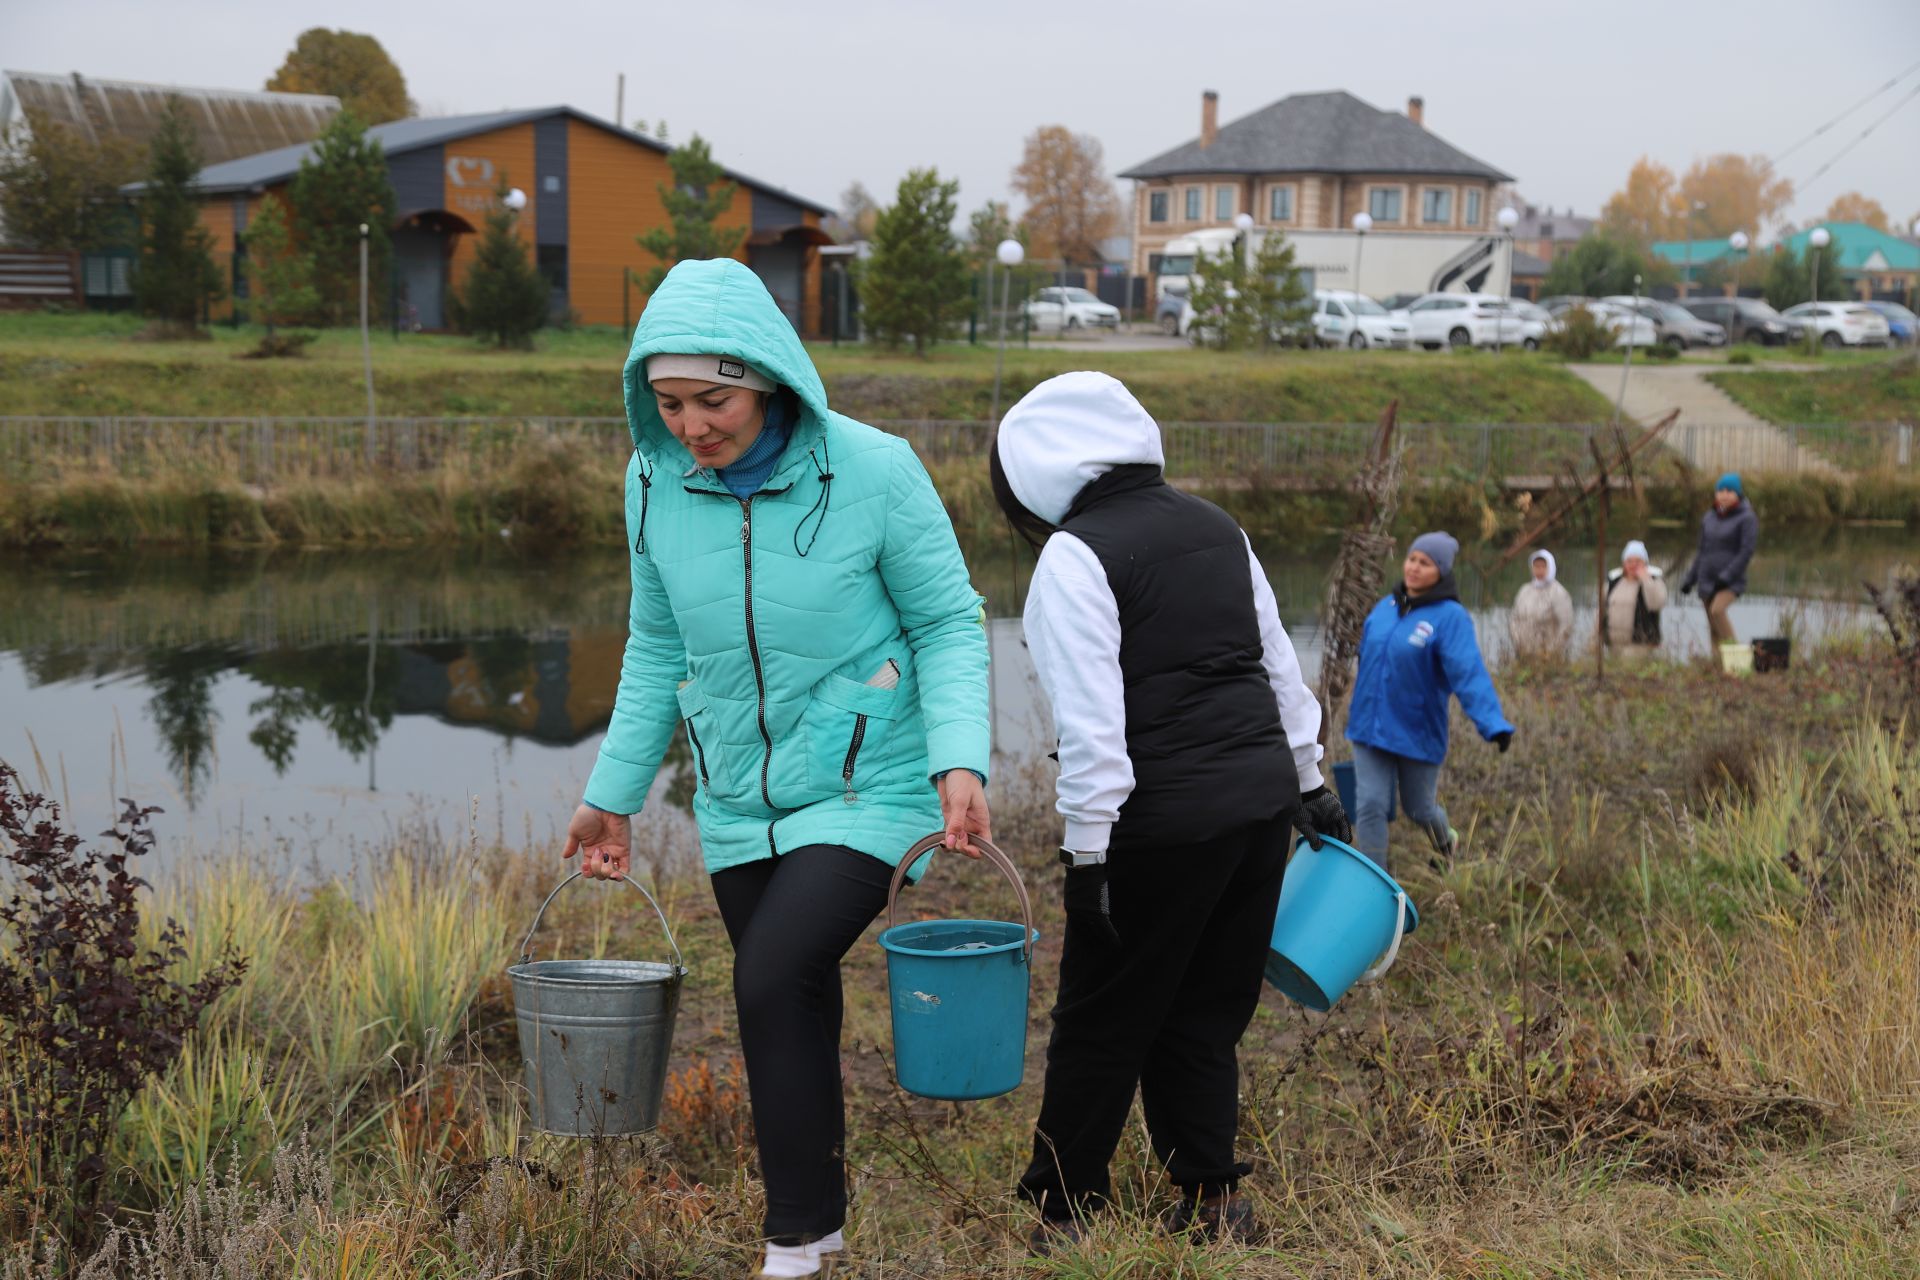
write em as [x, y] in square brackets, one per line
[1674, 325]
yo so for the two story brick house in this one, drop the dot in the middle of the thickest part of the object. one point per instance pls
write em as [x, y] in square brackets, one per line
[1310, 162]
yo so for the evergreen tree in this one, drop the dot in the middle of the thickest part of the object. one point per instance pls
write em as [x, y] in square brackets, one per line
[1603, 263]
[1278, 294]
[174, 277]
[914, 287]
[342, 184]
[1790, 276]
[504, 297]
[1221, 317]
[699, 196]
[1236, 308]
[279, 273]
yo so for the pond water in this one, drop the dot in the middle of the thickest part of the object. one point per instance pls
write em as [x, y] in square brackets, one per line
[318, 704]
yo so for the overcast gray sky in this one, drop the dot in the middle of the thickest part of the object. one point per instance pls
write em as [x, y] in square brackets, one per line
[810, 97]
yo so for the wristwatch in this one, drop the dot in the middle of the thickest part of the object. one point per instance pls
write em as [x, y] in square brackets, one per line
[1075, 858]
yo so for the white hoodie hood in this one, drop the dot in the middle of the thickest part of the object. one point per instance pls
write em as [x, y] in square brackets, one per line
[1069, 431]
[1553, 569]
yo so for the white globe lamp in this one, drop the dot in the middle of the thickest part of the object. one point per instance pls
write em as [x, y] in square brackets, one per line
[1244, 221]
[1738, 241]
[1011, 253]
[516, 199]
[1508, 218]
[1820, 238]
[1363, 222]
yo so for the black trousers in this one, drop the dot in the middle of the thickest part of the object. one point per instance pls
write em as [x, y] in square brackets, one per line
[790, 920]
[1163, 1010]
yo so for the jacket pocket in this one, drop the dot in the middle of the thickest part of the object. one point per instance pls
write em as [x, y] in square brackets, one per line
[693, 713]
[848, 725]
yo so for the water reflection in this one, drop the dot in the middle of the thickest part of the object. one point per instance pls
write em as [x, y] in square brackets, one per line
[347, 691]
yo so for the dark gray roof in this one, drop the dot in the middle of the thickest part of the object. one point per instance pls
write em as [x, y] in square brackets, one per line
[1320, 133]
[400, 136]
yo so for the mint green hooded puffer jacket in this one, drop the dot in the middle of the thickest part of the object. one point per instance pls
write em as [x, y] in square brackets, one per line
[761, 623]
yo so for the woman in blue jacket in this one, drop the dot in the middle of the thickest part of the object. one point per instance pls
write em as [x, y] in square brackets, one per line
[1417, 651]
[800, 603]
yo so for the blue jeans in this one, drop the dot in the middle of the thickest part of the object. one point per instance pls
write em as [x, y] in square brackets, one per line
[1377, 775]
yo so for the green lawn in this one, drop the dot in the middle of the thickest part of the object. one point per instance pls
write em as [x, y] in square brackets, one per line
[95, 364]
[1861, 390]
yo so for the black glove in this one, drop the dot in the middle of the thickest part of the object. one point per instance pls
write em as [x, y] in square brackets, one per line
[1318, 814]
[1503, 740]
[1087, 900]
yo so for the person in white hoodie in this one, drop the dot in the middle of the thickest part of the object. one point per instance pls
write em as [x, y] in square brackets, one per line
[1636, 593]
[1189, 744]
[1542, 618]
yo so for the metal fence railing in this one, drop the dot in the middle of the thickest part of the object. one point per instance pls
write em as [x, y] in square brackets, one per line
[270, 450]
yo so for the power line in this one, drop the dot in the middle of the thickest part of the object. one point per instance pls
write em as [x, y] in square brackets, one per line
[1843, 115]
[1817, 173]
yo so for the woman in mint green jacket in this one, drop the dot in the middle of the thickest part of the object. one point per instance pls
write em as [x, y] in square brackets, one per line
[800, 603]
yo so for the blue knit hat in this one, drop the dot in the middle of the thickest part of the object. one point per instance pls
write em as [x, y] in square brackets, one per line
[1438, 547]
[1731, 482]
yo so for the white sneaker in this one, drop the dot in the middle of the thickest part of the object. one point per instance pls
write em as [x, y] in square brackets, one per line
[796, 1261]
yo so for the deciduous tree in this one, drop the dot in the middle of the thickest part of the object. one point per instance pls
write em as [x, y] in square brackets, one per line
[700, 193]
[1855, 207]
[350, 66]
[342, 184]
[174, 277]
[1730, 193]
[59, 190]
[1603, 262]
[1646, 208]
[1071, 206]
[914, 287]
[858, 212]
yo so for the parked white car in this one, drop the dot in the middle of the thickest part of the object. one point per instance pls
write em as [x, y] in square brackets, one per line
[1842, 324]
[1629, 328]
[1058, 307]
[1461, 320]
[1342, 318]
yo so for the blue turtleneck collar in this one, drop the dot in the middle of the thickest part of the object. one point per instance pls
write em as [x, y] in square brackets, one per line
[744, 476]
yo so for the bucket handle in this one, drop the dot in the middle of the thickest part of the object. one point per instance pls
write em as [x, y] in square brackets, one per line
[1392, 953]
[526, 946]
[992, 854]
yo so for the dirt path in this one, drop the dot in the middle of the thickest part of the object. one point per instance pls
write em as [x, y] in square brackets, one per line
[1715, 433]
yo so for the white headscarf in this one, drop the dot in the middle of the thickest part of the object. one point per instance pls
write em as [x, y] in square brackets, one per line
[1553, 569]
[1635, 550]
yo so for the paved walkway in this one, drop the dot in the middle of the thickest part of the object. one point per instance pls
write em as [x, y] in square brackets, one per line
[1714, 433]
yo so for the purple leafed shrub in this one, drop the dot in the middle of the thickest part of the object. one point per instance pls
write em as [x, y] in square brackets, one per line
[87, 1015]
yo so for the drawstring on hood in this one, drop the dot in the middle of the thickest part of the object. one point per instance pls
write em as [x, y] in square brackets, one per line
[1553, 569]
[645, 476]
[1068, 432]
[820, 504]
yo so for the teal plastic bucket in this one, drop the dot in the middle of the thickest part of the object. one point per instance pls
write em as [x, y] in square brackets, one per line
[959, 993]
[1340, 921]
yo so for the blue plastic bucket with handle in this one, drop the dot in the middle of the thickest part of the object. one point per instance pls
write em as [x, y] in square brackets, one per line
[959, 992]
[1340, 921]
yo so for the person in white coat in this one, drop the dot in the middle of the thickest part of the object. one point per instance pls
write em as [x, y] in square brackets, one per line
[1189, 745]
[1542, 620]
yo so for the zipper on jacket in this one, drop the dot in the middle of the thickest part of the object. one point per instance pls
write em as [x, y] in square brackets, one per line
[773, 850]
[699, 756]
[853, 753]
[753, 652]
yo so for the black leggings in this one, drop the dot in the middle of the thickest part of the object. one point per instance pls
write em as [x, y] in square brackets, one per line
[790, 920]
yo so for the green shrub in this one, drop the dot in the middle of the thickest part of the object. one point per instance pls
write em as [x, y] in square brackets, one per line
[1580, 335]
[1740, 357]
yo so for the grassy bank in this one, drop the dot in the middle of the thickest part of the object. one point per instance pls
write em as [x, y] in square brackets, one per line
[91, 364]
[566, 492]
[1658, 1020]
[1884, 390]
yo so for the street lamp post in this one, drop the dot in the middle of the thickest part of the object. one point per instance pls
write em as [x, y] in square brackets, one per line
[1686, 279]
[1362, 223]
[1508, 218]
[1737, 243]
[1011, 254]
[366, 345]
[1818, 241]
[1626, 369]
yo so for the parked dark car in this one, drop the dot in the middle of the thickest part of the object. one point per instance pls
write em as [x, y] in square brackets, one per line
[1745, 319]
[1904, 324]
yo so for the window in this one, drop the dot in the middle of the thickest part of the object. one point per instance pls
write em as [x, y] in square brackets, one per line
[551, 184]
[1383, 203]
[1193, 204]
[1157, 206]
[1223, 203]
[1280, 204]
[1436, 205]
[1472, 218]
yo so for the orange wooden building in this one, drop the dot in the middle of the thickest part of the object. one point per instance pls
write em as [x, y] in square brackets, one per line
[591, 188]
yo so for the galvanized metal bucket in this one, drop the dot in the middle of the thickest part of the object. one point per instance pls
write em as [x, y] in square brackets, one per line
[595, 1035]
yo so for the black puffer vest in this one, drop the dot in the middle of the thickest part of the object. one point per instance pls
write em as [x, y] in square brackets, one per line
[1203, 730]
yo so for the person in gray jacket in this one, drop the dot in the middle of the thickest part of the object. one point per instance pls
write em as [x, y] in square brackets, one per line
[1729, 532]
